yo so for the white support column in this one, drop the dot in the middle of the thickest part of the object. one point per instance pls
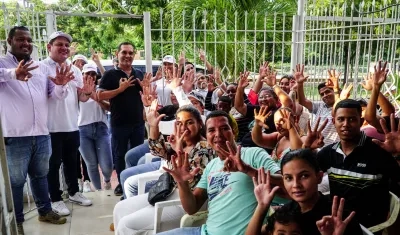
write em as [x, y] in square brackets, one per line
[147, 42]
[298, 35]
[51, 25]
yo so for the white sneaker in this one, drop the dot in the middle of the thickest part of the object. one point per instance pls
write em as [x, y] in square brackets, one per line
[107, 185]
[86, 186]
[60, 208]
[78, 198]
[80, 185]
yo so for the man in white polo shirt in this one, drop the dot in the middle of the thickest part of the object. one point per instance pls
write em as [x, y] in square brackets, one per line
[63, 126]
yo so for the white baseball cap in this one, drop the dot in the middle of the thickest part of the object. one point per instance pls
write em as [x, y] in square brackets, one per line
[89, 68]
[60, 34]
[79, 57]
[168, 59]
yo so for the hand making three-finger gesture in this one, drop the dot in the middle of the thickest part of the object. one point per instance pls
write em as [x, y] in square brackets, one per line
[176, 139]
[314, 138]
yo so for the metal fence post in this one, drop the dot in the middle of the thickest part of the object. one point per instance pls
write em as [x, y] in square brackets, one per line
[8, 223]
[294, 51]
[147, 42]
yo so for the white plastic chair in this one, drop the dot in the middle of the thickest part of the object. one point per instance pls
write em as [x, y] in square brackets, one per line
[394, 212]
[166, 127]
[143, 179]
[195, 220]
[365, 231]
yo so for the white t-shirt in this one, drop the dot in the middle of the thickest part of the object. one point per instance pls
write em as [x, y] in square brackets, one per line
[63, 114]
[91, 112]
[163, 92]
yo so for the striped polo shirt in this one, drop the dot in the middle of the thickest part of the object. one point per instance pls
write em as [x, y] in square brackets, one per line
[320, 109]
[362, 178]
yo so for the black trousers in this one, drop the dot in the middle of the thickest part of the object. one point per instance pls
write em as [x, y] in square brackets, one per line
[64, 150]
[82, 171]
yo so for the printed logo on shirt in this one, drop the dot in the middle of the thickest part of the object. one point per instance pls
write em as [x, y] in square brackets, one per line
[218, 185]
[361, 164]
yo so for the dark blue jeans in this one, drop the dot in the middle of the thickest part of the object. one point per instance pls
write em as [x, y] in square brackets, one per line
[29, 155]
[123, 139]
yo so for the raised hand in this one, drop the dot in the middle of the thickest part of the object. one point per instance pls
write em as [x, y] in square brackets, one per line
[63, 75]
[380, 74]
[211, 83]
[73, 48]
[334, 224]
[149, 94]
[392, 138]
[270, 78]
[175, 81]
[217, 76]
[243, 80]
[314, 138]
[345, 94]
[233, 162]
[333, 80]
[298, 74]
[176, 139]
[88, 85]
[22, 72]
[182, 58]
[261, 116]
[262, 188]
[286, 121]
[96, 56]
[152, 116]
[368, 82]
[158, 76]
[146, 80]
[188, 81]
[125, 83]
[202, 55]
[263, 70]
[181, 168]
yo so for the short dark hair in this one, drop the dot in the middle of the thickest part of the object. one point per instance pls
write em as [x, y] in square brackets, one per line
[124, 44]
[283, 215]
[225, 99]
[362, 102]
[322, 85]
[11, 34]
[307, 155]
[350, 104]
[219, 113]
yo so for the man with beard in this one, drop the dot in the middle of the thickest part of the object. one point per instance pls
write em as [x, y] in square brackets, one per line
[25, 90]
[121, 86]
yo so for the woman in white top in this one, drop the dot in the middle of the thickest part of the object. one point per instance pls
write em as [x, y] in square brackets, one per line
[95, 142]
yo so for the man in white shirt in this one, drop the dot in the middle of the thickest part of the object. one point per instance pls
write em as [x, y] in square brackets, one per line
[63, 126]
[24, 96]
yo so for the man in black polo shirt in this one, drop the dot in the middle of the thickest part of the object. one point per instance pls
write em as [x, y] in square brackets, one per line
[121, 86]
[358, 169]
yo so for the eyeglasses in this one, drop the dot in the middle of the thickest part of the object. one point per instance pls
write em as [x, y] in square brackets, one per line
[264, 97]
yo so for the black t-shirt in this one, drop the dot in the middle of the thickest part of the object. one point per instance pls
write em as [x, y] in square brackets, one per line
[322, 208]
[247, 140]
[126, 107]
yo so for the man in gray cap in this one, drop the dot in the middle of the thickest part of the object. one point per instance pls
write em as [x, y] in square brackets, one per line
[63, 125]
